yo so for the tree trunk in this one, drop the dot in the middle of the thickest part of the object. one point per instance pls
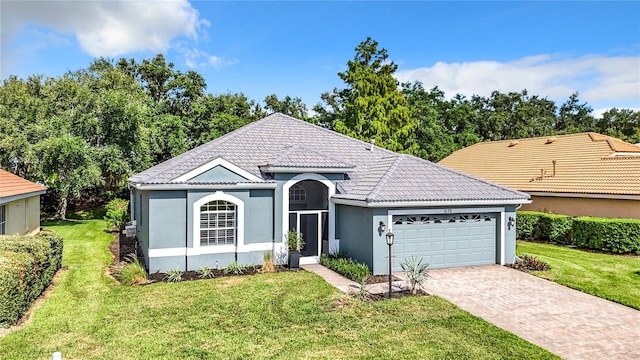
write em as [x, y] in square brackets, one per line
[61, 213]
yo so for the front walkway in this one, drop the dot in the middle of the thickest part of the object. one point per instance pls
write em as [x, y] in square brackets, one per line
[567, 322]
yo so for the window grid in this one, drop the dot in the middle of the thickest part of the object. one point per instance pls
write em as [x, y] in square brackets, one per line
[217, 223]
[297, 193]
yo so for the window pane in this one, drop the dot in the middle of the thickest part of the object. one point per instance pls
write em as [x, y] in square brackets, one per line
[217, 223]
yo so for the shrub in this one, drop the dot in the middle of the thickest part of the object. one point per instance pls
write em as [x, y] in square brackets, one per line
[349, 268]
[530, 263]
[267, 263]
[555, 228]
[295, 240]
[526, 223]
[132, 273]
[117, 213]
[612, 235]
[338, 254]
[205, 272]
[174, 275]
[234, 269]
[415, 272]
[27, 266]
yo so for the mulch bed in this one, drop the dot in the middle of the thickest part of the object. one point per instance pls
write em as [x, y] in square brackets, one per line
[395, 295]
[378, 279]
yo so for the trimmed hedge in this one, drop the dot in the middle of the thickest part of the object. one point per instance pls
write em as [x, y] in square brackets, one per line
[613, 235]
[347, 267]
[27, 266]
[605, 234]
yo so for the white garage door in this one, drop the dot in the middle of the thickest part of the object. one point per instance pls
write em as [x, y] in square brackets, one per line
[445, 240]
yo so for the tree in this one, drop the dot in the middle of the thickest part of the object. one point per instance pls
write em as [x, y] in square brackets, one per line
[288, 106]
[67, 166]
[574, 117]
[371, 106]
[621, 123]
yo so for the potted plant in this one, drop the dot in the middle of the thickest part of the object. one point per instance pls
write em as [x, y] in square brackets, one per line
[295, 242]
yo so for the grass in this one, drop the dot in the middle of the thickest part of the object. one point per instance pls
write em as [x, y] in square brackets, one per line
[612, 277]
[292, 315]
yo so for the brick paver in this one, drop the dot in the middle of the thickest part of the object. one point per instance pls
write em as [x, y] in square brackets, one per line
[569, 323]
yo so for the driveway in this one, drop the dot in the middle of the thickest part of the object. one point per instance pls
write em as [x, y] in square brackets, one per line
[569, 323]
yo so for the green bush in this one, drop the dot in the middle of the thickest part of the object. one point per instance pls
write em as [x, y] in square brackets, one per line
[612, 235]
[117, 213]
[27, 266]
[533, 225]
[526, 224]
[555, 228]
[349, 268]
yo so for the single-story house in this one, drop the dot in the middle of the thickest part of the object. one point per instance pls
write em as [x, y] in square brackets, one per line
[586, 174]
[19, 205]
[236, 197]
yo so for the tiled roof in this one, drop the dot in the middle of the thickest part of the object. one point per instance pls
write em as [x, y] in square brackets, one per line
[13, 185]
[376, 175]
[585, 163]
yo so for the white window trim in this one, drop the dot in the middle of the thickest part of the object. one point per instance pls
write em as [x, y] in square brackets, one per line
[331, 190]
[196, 249]
[217, 162]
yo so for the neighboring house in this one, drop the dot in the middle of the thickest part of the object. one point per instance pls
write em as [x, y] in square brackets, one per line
[586, 174]
[236, 197]
[19, 205]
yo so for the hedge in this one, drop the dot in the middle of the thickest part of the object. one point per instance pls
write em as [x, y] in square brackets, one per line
[613, 235]
[27, 266]
[347, 267]
[605, 234]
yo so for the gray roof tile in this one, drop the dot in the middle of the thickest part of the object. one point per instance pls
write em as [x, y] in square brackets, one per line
[377, 175]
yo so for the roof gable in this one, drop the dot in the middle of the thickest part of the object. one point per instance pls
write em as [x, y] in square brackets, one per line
[217, 170]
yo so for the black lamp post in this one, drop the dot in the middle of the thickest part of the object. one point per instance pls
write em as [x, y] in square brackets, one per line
[389, 243]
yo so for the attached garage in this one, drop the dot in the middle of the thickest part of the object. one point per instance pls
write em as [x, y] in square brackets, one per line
[446, 240]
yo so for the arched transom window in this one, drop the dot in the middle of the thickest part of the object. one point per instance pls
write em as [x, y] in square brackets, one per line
[297, 193]
[218, 223]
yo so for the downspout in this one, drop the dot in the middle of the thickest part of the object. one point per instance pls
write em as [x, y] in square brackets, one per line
[515, 257]
[186, 232]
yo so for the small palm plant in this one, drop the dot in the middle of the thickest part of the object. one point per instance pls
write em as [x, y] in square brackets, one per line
[416, 272]
[295, 240]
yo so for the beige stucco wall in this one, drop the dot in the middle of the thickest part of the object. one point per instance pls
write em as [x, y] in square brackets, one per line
[23, 216]
[585, 206]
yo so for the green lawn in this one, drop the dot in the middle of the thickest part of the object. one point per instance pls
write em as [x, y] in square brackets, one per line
[282, 315]
[612, 277]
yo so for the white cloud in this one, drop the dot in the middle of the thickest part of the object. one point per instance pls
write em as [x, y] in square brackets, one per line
[195, 58]
[108, 28]
[595, 77]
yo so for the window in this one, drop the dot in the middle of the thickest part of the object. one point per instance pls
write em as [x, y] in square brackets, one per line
[297, 193]
[3, 220]
[218, 223]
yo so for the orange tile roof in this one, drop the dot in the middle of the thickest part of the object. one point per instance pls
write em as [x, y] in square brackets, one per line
[585, 163]
[12, 185]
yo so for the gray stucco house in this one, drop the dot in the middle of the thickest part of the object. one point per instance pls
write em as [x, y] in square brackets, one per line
[234, 198]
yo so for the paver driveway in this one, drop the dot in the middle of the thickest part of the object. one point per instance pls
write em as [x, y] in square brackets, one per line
[567, 322]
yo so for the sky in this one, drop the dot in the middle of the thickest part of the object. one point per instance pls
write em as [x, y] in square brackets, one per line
[296, 48]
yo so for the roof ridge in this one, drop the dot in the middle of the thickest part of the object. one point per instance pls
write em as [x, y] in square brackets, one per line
[611, 141]
[383, 179]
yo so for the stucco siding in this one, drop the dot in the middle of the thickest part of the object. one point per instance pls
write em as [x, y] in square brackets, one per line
[355, 230]
[509, 236]
[585, 206]
[167, 219]
[23, 216]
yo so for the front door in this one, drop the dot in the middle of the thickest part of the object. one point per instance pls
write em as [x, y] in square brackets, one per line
[314, 228]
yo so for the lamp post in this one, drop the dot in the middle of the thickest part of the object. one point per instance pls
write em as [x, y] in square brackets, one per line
[389, 243]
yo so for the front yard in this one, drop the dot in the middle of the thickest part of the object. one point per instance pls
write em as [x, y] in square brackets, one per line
[281, 315]
[612, 277]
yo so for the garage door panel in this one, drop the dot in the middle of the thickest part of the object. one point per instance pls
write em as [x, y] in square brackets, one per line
[446, 240]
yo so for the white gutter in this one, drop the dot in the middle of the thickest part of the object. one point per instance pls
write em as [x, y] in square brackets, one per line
[204, 186]
[387, 204]
[590, 196]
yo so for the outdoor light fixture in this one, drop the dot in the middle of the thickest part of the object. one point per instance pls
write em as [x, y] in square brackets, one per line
[390, 237]
[512, 222]
[382, 227]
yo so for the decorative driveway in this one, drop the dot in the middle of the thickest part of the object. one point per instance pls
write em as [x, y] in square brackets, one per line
[567, 322]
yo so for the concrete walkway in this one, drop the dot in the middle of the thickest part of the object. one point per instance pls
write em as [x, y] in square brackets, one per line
[567, 322]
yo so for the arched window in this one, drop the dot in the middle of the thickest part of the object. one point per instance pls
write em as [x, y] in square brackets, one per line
[297, 193]
[218, 223]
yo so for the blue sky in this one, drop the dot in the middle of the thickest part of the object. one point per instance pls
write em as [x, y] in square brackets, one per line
[297, 48]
